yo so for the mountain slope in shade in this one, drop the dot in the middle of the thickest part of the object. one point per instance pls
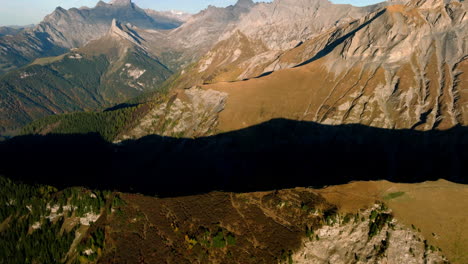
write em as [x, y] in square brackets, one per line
[65, 29]
[105, 72]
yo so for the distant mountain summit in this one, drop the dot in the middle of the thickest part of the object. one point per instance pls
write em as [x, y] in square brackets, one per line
[65, 29]
[121, 2]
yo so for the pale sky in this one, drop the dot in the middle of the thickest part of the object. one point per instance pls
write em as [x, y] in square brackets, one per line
[23, 12]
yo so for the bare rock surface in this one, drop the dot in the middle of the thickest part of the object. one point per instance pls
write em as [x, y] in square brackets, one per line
[189, 113]
[360, 240]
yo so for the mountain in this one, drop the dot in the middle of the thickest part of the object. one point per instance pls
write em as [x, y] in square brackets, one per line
[171, 49]
[177, 18]
[105, 72]
[65, 29]
[260, 36]
[409, 75]
[301, 225]
[10, 30]
[296, 131]
[196, 36]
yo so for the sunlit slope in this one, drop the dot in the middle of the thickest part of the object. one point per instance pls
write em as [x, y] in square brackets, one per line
[411, 76]
[435, 209]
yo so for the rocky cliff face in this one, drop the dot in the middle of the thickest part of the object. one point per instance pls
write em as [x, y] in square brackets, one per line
[399, 67]
[266, 31]
[188, 113]
[373, 236]
[283, 24]
[203, 30]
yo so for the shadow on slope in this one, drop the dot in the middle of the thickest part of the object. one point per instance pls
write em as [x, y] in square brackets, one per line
[274, 155]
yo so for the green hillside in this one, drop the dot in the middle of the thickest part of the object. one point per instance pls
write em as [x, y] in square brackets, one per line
[76, 82]
[109, 124]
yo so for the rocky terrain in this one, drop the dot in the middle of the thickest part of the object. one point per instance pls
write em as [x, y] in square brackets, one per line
[301, 225]
[265, 32]
[254, 133]
[410, 75]
[197, 108]
[147, 30]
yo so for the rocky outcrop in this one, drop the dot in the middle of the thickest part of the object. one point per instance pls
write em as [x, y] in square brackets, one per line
[372, 236]
[418, 61]
[117, 30]
[188, 113]
[283, 24]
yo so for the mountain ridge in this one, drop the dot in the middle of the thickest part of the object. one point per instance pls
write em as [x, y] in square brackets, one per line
[107, 71]
[65, 29]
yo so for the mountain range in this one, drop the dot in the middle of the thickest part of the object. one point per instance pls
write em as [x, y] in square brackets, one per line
[66, 29]
[380, 77]
[293, 131]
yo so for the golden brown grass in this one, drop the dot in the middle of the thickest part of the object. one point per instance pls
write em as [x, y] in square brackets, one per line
[438, 209]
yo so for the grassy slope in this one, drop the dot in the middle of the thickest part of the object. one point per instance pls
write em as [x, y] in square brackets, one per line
[182, 230]
[437, 209]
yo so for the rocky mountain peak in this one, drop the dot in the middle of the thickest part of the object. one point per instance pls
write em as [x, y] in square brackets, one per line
[124, 31]
[121, 2]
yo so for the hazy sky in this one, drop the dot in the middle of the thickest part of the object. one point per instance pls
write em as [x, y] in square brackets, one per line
[23, 12]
